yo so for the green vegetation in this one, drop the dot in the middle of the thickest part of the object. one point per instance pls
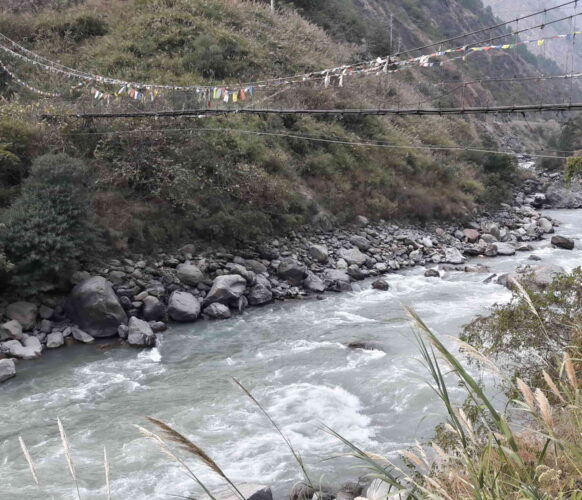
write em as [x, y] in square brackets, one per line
[48, 229]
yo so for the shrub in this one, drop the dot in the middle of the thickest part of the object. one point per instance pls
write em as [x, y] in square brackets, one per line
[48, 228]
[573, 168]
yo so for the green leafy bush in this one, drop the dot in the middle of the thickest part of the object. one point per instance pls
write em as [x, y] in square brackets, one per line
[573, 168]
[48, 229]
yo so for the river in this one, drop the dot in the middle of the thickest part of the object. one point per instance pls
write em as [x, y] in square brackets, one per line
[291, 356]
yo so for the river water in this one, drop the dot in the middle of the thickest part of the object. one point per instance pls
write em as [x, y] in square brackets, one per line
[291, 356]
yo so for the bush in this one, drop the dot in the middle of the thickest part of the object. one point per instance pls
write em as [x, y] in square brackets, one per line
[573, 168]
[48, 228]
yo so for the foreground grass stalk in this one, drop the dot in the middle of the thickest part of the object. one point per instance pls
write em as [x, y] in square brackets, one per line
[68, 456]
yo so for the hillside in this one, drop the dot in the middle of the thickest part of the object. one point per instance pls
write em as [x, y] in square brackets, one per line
[164, 182]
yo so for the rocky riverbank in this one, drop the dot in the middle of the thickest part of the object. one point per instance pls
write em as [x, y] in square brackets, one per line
[132, 299]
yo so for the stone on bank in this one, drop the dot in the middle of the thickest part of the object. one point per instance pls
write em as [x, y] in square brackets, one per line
[7, 369]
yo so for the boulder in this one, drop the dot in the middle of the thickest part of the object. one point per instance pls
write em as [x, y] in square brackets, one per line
[54, 340]
[153, 309]
[432, 273]
[184, 307]
[226, 289]
[361, 242]
[356, 273]
[23, 312]
[490, 250]
[241, 270]
[545, 225]
[292, 271]
[536, 278]
[493, 229]
[314, 283]
[11, 330]
[259, 295]
[319, 253]
[140, 334]
[189, 274]
[504, 249]
[349, 491]
[28, 349]
[381, 284]
[453, 256]
[82, 336]
[563, 242]
[335, 275]
[471, 235]
[46, 312]
[94, 306]
[256, 266]
[7, 369]
[262, 494]
[217, 311]
[352, 256]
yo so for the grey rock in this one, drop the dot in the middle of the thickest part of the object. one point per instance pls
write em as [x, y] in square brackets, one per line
[504, 249]
[153, 309]
[7, 369]
[217, 311]
[79, 276]
[319, 253]
[537, 278]
[23, 312]
[123, 331]
[140, 334]
[46, 326]
[349, 491]
[158, 326]
[94, 306]
[314, 283]
[489, 238]
[471, 235]
[356, 273]
[292, 271]
[381, 284]
[82, 336]
[226, 289]
[563, 242]
[453, 256]
[55, 340]
[352, 256]
[259, 295]
[239, 269]
[490, 250]
[545, 225]
[46, 312]
[189, 274]
[262, 494]
[28, 349]
[432, 273]
[336, 275]
[184, 307]
[256, 266]
[361, 242]
[11, 330]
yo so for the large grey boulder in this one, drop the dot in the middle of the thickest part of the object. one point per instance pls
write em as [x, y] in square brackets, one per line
[189, 274]
[545, 225]
[11, 330]
[7, 369]
[352, 256]
[217, 311]
[336, 275]
[183, 307]
[54, 340]
[94, 306]
[536, 278]
[140, 334]
[361, 242]
[153, 309]
[381, 284]
[563, 242]
[453, 256]
[226, 289]
[292, 271]
[259, 295]
[23, 312]
[471, 235]
[319, 253]
[241, 270]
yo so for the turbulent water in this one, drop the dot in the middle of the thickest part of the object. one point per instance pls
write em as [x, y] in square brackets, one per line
[292, 356]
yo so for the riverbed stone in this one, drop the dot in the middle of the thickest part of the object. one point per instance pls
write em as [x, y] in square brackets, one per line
[292, 271]
[537, 277]
[23, 312]
[454, 256]
[563, 242]
[361, 242]
[153, 309]
[381, 284]
[55, 340]
[226, 289]
[82, 336]
[352, 256]
[319, 253]
[217, 311]
[11, 330]
[27, 349]
[314, 283]
[471, 235]
[504, 249]
[94, 306]
[259, 295]
[432, 273]
[7, 369]
[46, 312]
[140, 334]
[189, 274]
[545, 225]
[184, 307]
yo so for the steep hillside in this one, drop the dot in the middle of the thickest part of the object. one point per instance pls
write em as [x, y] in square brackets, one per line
[161, 182]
